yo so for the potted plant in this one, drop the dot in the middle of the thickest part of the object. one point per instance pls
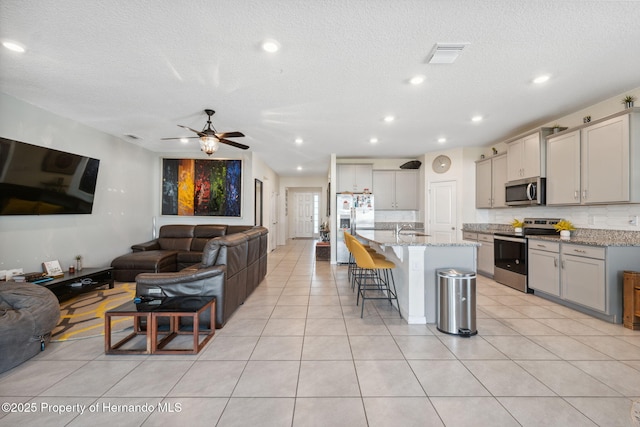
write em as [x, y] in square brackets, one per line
[564, 227]
[628, 101]
[78, 262]
[517, 225]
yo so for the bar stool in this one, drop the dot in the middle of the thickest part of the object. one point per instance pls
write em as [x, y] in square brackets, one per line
[374, 274]
[352, 267]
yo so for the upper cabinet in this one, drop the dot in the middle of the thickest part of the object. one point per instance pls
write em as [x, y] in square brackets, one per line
[605, 161]
[525, 157]
[563, 169]
[596, 163]
[354, 178]
[491, 175]
[395, 190]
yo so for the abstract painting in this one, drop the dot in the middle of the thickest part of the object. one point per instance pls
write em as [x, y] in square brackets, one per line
[201, 187]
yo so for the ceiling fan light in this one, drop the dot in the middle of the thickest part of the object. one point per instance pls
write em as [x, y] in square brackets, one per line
[209, 144]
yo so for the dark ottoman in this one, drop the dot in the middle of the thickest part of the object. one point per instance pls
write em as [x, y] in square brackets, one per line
[127, 267]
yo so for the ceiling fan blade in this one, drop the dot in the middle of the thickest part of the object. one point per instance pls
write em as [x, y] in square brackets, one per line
[229, 135]
[182, 137]
[193, 130]
[234, 144]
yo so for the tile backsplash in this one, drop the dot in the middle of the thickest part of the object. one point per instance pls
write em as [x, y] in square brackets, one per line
[610, 217]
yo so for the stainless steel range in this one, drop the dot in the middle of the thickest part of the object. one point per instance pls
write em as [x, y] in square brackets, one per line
[510, 252]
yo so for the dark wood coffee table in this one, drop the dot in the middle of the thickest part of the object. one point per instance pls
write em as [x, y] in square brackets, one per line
[72, 284]
[172, 308]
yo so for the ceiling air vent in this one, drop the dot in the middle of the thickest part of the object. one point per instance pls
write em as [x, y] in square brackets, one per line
[445, 53]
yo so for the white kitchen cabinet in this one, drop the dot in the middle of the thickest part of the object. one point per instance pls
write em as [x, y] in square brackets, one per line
[524, 157]
[596, 163]
[491, 175]
[395, 190]
[583, 276]
[485, 257]
[605, 161]
[544, 267]
[354, 178]
[485, 254]
[563, 169]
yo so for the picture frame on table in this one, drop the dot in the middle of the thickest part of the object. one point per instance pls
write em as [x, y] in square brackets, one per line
[52, 268]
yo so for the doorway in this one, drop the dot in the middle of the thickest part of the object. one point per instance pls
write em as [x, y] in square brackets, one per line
[306, 215]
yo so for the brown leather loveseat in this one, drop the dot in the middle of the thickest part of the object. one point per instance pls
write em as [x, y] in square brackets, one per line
[230, 265]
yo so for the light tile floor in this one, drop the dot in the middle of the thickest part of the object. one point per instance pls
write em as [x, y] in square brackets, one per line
[298, 354]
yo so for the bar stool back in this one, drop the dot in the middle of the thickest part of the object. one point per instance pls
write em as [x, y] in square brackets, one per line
[374, 277]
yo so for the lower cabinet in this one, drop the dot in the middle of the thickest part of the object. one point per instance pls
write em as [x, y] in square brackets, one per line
[544, 267]
[584, 277]
[485, 254]
[485, 261]
[583, 280]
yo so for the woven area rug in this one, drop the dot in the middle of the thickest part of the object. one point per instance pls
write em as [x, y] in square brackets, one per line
[83, 316]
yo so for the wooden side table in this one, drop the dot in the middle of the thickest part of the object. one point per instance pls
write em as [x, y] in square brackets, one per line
[174, 308]
[127, 310]
[631, 300]
[323, 251]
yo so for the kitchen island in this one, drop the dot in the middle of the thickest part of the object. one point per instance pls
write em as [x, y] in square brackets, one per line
[417, 257]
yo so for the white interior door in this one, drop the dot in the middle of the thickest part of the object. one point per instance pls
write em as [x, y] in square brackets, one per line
[442, 211]
[303, 215]
[273, 229]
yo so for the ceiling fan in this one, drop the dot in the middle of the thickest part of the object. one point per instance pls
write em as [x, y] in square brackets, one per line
[210, 138]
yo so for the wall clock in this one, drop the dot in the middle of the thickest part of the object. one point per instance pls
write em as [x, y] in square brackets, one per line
[441, 164]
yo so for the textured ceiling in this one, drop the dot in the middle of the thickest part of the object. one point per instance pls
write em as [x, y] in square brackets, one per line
[142, 67]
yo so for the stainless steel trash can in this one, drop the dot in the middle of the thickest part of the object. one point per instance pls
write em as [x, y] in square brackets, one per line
[456, 302]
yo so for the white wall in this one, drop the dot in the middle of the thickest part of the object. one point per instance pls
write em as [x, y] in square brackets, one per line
[123, 205]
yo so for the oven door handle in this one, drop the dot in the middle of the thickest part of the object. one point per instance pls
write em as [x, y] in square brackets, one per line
[510, 239]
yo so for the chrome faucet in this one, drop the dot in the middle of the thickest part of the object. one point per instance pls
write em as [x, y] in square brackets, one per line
[400, 228]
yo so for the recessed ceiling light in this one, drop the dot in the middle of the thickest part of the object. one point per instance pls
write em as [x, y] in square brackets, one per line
[299, 168]
[389, 119]
[416, 80]
[299, 141]
[541, 79]
[476, 119]
[13, 46]
[270, 46]
[373, 140]
[184, 140]
[442, 140]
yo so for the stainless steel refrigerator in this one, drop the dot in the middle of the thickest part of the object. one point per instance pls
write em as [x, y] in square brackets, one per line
[353, 211]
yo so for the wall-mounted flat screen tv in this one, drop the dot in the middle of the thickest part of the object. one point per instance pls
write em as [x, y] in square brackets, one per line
[38, 180]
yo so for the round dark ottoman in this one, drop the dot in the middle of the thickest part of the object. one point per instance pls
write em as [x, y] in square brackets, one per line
[28, 314]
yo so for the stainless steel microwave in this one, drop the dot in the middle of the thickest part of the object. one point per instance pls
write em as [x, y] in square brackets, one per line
[530, 191]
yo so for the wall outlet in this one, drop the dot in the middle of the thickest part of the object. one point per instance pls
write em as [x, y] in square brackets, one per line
[633, 220]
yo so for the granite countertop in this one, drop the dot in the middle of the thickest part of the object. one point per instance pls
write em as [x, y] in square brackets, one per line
[580, 236]
[389, 238]
[590, 240]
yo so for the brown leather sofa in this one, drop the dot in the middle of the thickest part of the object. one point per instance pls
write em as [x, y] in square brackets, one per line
[177, 247]
[231, 266]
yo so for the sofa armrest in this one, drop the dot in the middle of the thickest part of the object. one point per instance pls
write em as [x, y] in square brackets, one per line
[184, 276]
[151, 245]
